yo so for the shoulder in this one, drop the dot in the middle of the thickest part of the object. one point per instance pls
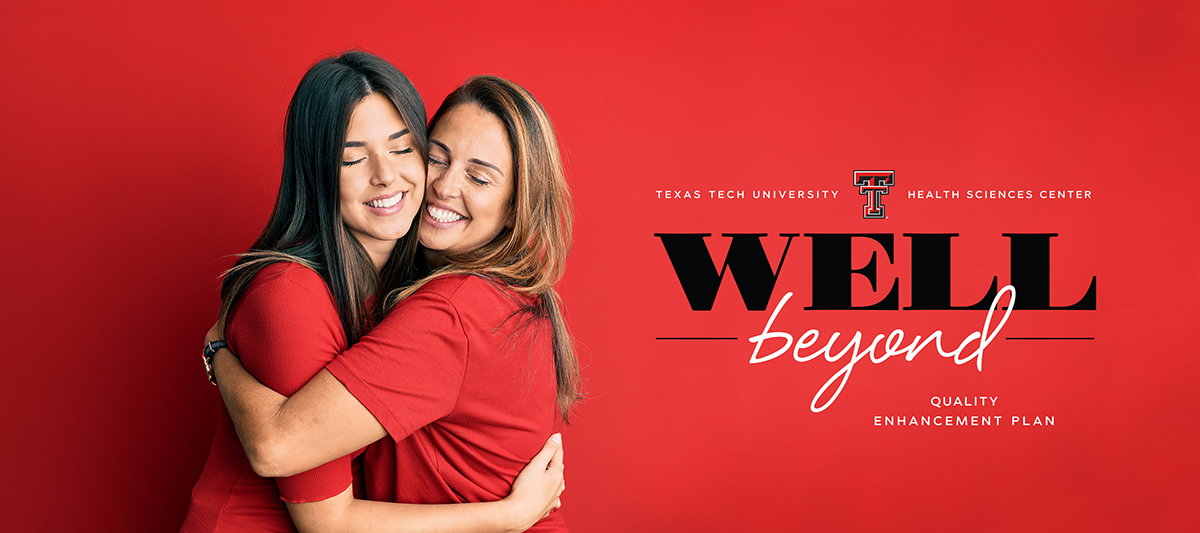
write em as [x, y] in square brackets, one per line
[285, 326]
[285, 287]
[288, 275]
[474, 299]
[284, 301]
[470, 289]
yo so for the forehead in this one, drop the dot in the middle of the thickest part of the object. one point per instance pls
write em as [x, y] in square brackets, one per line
[472, 133]
[375, 112]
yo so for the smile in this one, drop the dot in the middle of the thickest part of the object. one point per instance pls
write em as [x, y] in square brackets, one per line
[444, 216]
[385, 203]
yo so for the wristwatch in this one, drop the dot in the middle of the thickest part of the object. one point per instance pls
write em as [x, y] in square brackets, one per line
[210, 349]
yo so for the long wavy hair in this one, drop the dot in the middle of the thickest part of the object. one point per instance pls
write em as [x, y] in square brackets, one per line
[306, 224]
[530, 256]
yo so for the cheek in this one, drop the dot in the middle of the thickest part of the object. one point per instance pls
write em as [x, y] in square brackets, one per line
[497, 216]
[417, 173]
[348, 195]
[346, 187]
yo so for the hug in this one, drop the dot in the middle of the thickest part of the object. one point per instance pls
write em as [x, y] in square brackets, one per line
[390, 351]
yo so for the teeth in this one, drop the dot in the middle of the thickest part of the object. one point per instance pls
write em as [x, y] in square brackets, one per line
[443, 215]
[388, 202]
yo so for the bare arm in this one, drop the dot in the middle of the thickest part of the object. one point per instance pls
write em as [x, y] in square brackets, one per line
[288, 330]
[322, 420]
[285, 436]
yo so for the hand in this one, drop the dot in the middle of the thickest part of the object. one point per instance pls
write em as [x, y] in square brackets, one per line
[537, 488]
[214, 334]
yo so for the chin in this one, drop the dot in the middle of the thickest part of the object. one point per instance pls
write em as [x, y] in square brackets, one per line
[431, 246]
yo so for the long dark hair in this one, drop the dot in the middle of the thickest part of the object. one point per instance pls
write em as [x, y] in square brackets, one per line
[306, 225]
[531, 256]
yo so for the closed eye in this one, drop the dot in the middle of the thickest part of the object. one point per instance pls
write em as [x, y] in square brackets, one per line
[404, 151]
[352, 163]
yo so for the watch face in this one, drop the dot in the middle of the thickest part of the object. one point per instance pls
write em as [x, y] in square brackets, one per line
[207, 355]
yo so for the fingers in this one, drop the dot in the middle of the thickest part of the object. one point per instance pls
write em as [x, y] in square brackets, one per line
[556, 461]
[551, 509]
[545, 458]
[561, 449]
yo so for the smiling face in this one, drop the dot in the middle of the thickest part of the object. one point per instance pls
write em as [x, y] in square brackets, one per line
[382, 177]
[471, 183]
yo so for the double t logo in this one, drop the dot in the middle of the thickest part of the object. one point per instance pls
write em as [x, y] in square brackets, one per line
[874, 184]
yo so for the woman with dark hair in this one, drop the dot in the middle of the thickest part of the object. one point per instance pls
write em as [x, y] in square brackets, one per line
[467, 373]
[336, 243]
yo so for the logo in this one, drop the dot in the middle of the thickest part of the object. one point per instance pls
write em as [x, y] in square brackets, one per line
[874, 184]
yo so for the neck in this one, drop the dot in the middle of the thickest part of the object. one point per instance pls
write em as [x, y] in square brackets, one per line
[379, 257]
[378, 261]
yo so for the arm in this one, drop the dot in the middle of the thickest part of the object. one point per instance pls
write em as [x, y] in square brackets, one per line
[287, 329]
[263, 329]
[322, 420]
[285, 436]
[535, 494]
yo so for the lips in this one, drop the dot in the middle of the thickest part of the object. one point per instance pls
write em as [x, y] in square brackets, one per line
[387, 205]
[386, 202]
[445, 216]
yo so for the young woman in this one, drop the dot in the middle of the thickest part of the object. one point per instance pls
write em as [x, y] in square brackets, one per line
[467, 373]
[336, 242]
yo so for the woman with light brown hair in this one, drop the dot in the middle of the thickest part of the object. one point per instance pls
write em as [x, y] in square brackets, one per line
[464, 378]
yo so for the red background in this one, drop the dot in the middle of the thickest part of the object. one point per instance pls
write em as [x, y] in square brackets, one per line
[142, 147]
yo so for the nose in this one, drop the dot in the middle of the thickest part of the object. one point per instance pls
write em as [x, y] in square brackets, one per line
[443, 184]
[383, 171]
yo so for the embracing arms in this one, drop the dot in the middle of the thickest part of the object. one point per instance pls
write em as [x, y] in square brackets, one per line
[286, 338]
[323, 421]
[284, 436]
[405, 374]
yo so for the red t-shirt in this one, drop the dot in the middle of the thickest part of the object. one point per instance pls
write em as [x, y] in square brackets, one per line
[285, 329]
[465, 385]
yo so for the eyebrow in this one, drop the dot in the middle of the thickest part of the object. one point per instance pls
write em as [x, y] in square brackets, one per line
[486, 164]
[476, 161]
[392, 137]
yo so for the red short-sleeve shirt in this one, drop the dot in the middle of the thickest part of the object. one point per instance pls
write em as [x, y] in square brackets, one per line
[285, 329]
[464, 382]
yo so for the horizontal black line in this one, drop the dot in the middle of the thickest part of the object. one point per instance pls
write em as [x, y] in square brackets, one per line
[695, 338]
[1049, 338]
